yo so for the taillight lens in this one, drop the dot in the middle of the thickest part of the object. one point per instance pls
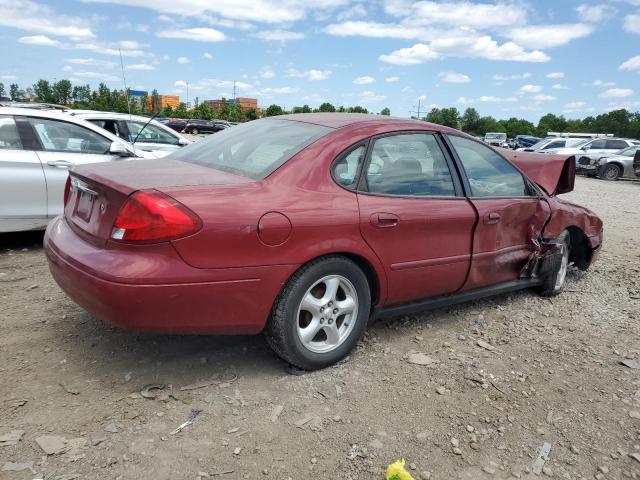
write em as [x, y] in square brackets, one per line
[67, 190]
[150, 216]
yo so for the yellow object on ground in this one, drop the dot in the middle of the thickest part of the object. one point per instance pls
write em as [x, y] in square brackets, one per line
[396, 471]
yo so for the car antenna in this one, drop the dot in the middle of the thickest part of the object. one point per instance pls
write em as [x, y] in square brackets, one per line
[145, 126]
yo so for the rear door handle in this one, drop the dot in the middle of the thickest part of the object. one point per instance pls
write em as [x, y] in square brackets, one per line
[493, 217]
[384, 220]
[59, 163]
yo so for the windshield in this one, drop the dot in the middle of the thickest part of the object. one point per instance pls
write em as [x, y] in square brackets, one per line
[541, 143]
[254, 149]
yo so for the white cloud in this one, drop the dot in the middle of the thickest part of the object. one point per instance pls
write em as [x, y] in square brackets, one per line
[357, 10]
[521, 76]
[279, 35]
[632, 64]
[541, 97]
[207, 56]
[530, 89]
[96, 75]
[392, 79]
[213, 86]
[367, 79]
[463, 46]
[140, 66]
[278, 91]
[374, 30]
[199, 34]
[369, 97]
[265, 11]
[555, 75]
[485, 99]
[38, 18]
[549, 36]
[575, 105]
[453, 77]
[632, 23]
[602, 83]
[8, 77]
[183, 60]
[459, 13]
[39, 40]
[267, 72]
[314, 98]
[621, 105]
[559, 86]
[91, 62]
[595, 13]
[617, 93]
[312, 74]
[132, 45]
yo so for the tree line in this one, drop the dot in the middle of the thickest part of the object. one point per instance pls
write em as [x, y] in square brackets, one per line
[620, 122]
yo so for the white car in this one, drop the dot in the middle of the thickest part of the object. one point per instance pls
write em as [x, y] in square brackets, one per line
[37, 147]
[553, 144]
[597, 147]
[150, 136]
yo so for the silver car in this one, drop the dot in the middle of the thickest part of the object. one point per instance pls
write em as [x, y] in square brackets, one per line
[148, 135]
[37, 147]
[551, 144]
[610, 167]
[598, 147]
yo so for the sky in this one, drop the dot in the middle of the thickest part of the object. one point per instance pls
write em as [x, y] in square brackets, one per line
[505, 58]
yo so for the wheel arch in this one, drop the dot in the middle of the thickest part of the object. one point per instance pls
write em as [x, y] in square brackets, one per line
[616, 163]
[580, 251]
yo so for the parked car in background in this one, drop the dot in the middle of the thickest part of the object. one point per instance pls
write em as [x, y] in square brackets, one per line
[524, 141]
[305, 226]
[176, 124]
[147, 134]
[196, 126]
[37, 147]
[496, 139]
[597, 147]
[636, 163]
[610, 167]
[552, 144]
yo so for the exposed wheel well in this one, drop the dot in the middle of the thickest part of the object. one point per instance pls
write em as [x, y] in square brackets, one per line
[579, 248]
[620, 167]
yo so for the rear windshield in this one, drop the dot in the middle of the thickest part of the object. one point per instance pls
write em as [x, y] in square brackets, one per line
[254, 149]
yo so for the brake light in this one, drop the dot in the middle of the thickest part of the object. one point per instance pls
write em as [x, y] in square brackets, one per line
[150, 216]
[67, 190]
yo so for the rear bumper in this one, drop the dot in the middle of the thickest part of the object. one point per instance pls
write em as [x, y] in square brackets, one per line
[153, 289]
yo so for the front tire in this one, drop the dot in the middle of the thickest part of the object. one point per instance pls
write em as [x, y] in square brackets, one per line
[610, 172]
[194, 131]
[320, 314]
[556, 277]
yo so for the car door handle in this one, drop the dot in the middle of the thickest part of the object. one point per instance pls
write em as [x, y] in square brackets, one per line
[384, 220]
[59, 163]
[492, 218]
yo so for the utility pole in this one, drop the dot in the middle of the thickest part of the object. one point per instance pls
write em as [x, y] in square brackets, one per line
[418, 109]
[187, 94]
[234, 91]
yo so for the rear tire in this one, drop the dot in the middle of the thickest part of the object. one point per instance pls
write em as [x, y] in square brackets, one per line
[610, 172]
[194, 131]
[554, 281]
[320, 314]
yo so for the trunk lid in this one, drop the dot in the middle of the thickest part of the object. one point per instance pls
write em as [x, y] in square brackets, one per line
[98, 191]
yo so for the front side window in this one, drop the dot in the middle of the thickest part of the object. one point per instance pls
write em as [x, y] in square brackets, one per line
[150, 134]
[409, 165]
[111, 126]
[597, 145]
[345, 170]
[59, 136]
[489, 174]
[9, 137]
[253, 149]
[555, 144]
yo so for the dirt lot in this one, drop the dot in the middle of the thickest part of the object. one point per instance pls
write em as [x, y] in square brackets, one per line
[551, 373]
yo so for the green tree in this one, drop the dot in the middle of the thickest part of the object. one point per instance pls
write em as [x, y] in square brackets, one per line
[251, 114]
[517, 126]
[61, 92]
[488, 124]
[81, 95]
[471, 121]
[2, 92]
[235, 113]
[326, 107]
[551, 123]
[43, 91]
[15, 93]
[385, 111]
[357, 109]
[274, 110]
[306, 108]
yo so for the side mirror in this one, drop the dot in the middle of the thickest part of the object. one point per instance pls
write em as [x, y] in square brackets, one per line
[183, 141]
[119, 149]
[584, 149]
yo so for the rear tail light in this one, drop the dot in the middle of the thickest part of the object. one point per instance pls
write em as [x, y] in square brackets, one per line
[150, 216]
[67, 190]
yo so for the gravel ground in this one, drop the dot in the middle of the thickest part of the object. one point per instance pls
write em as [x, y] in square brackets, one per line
[503, 376]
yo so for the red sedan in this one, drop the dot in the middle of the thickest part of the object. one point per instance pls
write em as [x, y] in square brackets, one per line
[306, 226]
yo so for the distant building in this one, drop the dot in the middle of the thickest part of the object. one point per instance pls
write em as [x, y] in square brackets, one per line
[163, 101]
[244, 103]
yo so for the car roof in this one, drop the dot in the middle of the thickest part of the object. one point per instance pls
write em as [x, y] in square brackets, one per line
[98, 114]
[339, 120]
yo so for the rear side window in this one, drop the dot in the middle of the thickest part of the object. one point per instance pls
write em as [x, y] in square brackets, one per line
[345, 170]
[489, 174]
[9, 137]
[555, 144]
[59, 136]
[616, 144]
[254, 149]
[150, 134]
[112, 126]
[409, 165]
